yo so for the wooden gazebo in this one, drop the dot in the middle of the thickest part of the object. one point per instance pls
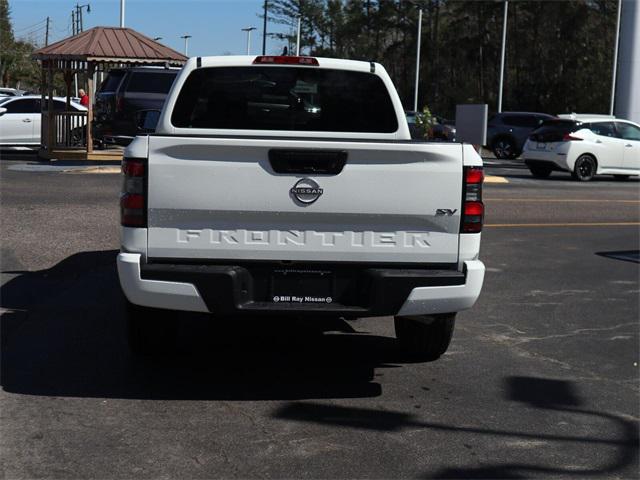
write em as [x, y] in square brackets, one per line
[88, 53]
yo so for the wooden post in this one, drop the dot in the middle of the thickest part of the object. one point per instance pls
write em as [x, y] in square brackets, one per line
[43, 123]
[50, 120]
[90, 70]
[68, 79]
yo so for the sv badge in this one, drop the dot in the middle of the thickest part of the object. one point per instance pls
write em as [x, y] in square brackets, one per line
[440, 212]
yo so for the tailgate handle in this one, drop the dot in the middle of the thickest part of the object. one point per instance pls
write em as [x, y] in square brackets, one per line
[328, 162]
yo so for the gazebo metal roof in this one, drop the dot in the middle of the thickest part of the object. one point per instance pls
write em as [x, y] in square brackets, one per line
[110, 44]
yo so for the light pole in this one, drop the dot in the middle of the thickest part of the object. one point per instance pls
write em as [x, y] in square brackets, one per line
[264, 29]
[418, 41]
[248, 30]
[615, 61]
[502, 55]
[80, 23]
[121, 13]
[298, 36]
[627, 104]
[186, 44]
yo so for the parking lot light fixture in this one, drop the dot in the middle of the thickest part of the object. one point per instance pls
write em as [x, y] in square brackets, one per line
[615, 61]
[298, 36]
[418, 41]
[248, 30]
[502, 54]
[186, 44]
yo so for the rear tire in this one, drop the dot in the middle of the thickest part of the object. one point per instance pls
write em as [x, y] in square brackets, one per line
[150, 331]
[425, 341]
[540, 172]
[585, 168]
[504, 148]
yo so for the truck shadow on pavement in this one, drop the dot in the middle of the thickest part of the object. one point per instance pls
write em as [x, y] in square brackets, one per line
[612, 441]
[63, 334]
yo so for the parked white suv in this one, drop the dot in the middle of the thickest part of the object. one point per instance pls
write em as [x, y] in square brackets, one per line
[289, 186]
[584, 145]
[21, 118]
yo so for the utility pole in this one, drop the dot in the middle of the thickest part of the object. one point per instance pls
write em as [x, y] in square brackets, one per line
[121, 13]
[264, 30]
[419, 41]
[79, 21]
[73, 22]
[248, 30]
[298, 36]
[186, 44]
[77, 18]
[502, 55]
[46, 34]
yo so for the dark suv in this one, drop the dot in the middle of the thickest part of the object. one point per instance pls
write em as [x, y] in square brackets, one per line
[129, 102]
[507, 131]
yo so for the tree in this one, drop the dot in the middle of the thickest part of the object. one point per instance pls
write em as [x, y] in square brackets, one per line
[16, 64]
[7, 53]
[556, 51]
[286, 12]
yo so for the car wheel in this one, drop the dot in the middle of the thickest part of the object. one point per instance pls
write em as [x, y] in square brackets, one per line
[621, 178]
[504, 148]
[77, 137]
[584, 168]
[426, 337]
[150, 331]
[540, 172]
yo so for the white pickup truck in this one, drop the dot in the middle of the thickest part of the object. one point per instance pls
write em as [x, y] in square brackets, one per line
[289, 186]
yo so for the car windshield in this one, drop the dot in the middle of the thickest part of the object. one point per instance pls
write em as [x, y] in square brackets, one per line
[285, 98]
[112, 81]
[555, 130]
[4, 99]
[564, 126]
[151, 82]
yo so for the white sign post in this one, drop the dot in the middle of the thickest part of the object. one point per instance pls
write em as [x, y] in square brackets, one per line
[471, 124]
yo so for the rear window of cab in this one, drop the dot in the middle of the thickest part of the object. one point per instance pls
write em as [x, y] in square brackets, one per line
[284, 98]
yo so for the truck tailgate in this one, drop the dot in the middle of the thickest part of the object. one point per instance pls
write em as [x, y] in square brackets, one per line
[221, 199]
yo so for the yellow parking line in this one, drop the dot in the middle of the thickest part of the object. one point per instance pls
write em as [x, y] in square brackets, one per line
[560, 200]
[580, 224]
[494, 179]
[109, 170]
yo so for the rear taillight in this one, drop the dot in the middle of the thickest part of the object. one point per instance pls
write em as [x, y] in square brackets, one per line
[285, 60]
[133, 200]
[570, 138]
[473, 208]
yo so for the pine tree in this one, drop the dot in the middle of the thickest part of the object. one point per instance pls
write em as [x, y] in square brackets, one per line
[7, 50]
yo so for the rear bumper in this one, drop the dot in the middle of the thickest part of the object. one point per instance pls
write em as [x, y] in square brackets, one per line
[359, 290]
[122, 140]
[552, 164]
[556, 159]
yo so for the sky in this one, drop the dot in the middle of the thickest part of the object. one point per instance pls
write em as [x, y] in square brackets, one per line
[215, 25]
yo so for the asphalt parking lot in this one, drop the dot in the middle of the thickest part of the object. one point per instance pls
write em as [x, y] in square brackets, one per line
[541, 379]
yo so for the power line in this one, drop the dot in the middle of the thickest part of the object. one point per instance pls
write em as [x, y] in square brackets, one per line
[28, 27]
[39, 29]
